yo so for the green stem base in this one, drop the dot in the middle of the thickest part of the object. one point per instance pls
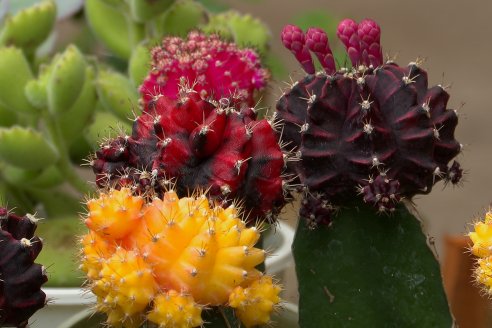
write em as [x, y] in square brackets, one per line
[369, 270]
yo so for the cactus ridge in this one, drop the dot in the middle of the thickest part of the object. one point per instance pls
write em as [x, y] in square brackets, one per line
[376, 128]
[20, 277]
[197, 143]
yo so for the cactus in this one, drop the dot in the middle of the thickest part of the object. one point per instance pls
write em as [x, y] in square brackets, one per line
[481, 247]
[212, 67]
[20, 277]
[164, 260]
[366, 137]
[201, 144]
[374, 130]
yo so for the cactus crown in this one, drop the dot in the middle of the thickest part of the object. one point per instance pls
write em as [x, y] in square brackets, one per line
[374, 129]
[200, 144]
[214, 68]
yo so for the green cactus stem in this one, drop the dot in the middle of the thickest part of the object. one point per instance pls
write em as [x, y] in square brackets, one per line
[369, 270]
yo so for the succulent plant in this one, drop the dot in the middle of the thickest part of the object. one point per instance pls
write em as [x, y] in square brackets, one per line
[367, 137]
[244, 30]
[375, 129]
[198, 143]
[53, 110]
[163, 261]
[20, 277]
[36, 142]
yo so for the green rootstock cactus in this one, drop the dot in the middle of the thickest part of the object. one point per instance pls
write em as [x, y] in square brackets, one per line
[366, 138]
[369, 270]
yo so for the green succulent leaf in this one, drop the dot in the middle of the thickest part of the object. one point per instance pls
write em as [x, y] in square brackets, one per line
[214, 6]
[245, 30]
[368, 270]
[113, 28]
[12, 197]
[36, 90]
[66, 80]
[75, 120]
[50, 177]
[144, 10]
[106, 124]
[15, 74]
[7, 117]
[26, 148]
[117, 94]
[139, 64]
[182, 17]
[40, 178]
[29, 27]
[36, 94]
[18, 176]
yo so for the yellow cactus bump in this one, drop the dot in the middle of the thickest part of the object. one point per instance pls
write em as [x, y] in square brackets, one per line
[482, 247]
[166, 260]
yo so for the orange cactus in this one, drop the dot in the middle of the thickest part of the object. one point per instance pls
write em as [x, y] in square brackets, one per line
[164, 260]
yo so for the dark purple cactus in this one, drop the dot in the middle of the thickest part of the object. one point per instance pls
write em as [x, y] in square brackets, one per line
[374, 129]
[20, 277]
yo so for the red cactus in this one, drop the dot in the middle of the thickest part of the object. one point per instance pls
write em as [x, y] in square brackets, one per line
[376, 128]
[203, 144]
[20, 277]
[212, 67]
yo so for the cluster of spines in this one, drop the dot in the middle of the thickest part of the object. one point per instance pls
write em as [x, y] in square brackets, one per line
[20, 278]
[165, 260]
[217, 68]
[200, 143]
[365, 107]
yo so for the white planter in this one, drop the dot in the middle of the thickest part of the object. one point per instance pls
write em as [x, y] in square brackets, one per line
[63, 304]
[69, 305]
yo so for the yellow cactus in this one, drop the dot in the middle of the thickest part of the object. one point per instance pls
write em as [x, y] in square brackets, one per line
[115, 214]
[255, 303]
[155, 249]
[482, 238]
[482, 247]
[94, 252]
[174, 310]
[483, 273]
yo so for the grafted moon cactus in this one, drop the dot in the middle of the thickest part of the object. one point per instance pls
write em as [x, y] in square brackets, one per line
[375, 129]
[201, 144]
[164, 261]
[20, 277]
[214, 68]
